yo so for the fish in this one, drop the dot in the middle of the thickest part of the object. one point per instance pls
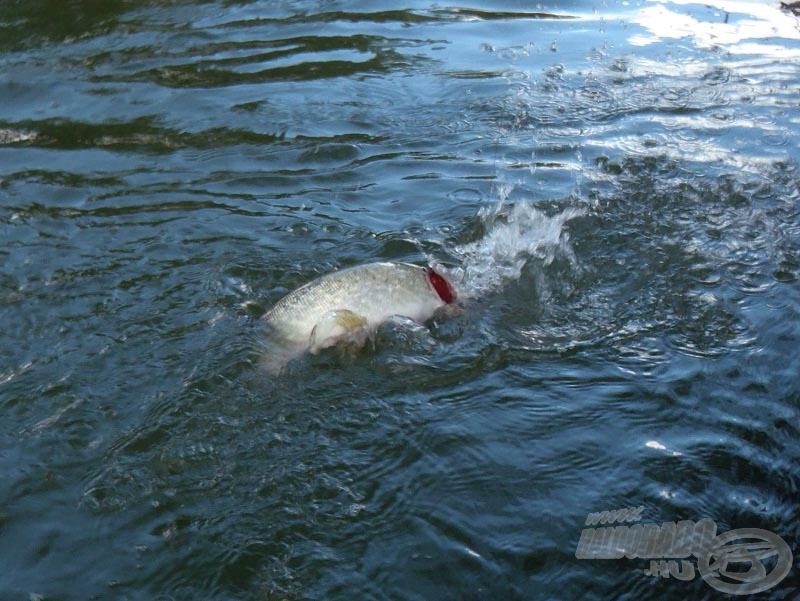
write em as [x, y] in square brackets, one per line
[345, 307]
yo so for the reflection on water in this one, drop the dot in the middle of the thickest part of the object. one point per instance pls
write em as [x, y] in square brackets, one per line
[740, 27]
[615, 186]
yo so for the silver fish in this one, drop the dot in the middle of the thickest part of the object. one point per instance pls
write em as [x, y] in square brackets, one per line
[349, 304]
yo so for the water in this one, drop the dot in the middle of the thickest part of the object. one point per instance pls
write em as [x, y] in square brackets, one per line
[614, 184]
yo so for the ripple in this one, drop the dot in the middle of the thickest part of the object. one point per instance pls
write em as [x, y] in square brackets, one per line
[144, 133]
[259, 61]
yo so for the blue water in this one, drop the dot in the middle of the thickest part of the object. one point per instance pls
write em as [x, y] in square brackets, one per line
[613, 184]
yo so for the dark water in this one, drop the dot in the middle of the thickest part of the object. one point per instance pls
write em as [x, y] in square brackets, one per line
[617, 183]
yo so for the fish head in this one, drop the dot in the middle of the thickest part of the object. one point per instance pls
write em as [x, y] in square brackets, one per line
[441, 285]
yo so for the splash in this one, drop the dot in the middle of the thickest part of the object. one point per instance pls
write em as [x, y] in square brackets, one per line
[515, 234]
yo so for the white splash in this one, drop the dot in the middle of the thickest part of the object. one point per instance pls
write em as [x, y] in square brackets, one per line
[514, 235]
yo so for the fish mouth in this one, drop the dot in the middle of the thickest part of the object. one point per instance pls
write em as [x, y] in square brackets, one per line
[441, 285]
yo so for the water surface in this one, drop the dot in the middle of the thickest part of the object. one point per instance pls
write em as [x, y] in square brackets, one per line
[614, 184]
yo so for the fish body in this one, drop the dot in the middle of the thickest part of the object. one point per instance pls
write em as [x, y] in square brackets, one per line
[351, 303]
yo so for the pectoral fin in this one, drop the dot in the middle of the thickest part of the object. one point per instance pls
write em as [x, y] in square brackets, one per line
[338, 326]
